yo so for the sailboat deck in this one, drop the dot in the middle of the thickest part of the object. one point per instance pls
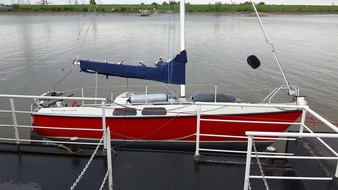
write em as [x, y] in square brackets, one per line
[50, 167]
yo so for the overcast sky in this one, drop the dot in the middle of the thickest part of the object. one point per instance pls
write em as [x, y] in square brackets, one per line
[286, 2]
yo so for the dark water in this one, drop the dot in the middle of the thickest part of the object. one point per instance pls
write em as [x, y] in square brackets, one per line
[35, 49]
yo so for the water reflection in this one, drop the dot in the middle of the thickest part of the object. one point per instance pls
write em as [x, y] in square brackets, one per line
[15, 185]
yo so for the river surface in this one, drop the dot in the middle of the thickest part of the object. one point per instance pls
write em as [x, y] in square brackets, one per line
[37, 50]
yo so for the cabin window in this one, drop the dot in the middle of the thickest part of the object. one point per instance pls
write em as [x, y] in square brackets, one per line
[154, 111]
[124, 111]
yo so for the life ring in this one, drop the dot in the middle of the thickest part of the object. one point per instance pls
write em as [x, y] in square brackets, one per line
[74, 104]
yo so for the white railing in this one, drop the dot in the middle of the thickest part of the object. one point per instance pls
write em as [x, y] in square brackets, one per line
[296, 135]
[16, 126]
[105, 91]
[250, 136]
[199, 120]
[35, 99]
[273, 93]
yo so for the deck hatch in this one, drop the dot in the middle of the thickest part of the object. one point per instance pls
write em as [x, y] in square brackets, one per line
[124, 111]
[154, 111]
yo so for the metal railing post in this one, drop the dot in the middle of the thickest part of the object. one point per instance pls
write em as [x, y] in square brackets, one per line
[248, 163]
[198, 126]
[96, 81]
[302, 123]
[15, 123]
[146, 95]
[109, 159]
[82, 93]
[215, 92]
[336, 174]
[104, 124]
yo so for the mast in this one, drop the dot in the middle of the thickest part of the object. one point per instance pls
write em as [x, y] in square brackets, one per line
[182, 37]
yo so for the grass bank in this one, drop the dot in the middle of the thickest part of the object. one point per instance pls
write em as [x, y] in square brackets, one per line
[189, 8]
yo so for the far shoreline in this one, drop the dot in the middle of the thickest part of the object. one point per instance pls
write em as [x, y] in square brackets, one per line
[69, 13]
[148, 9]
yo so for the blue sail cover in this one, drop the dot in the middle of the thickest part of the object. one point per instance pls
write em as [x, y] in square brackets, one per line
[172, 72]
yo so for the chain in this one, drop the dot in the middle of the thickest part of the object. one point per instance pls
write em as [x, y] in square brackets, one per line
[249, 186]
[87, 165]
[260, 167]
[104, 179]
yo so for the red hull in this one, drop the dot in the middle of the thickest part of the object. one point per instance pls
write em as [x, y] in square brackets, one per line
[162, 128]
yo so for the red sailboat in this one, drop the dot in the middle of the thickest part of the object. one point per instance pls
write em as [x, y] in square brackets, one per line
[162, 118]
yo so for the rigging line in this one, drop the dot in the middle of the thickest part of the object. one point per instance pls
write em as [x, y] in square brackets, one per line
[90, 23]
[172, 54]
[72, 51]
[173, 44]
[82, 26]
[170, 91]
[70, 70]
[169, 28]
[247, 50]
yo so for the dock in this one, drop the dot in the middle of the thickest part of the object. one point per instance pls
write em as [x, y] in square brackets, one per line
[36, 166]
